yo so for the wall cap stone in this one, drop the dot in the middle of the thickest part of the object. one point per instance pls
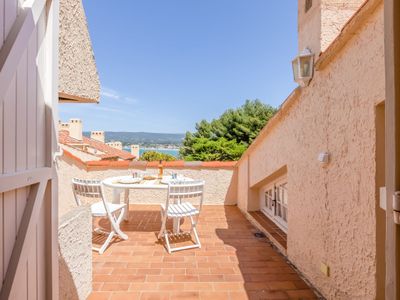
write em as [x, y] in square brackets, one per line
[124, 164]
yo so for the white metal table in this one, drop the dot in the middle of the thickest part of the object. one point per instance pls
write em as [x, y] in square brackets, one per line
[119, 187]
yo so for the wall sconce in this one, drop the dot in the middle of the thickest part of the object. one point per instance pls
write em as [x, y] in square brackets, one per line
[303, 67]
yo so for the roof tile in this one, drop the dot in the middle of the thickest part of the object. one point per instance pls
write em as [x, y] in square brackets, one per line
[108, 151]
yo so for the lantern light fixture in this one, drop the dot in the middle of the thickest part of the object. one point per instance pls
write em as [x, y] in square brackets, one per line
[303, 67]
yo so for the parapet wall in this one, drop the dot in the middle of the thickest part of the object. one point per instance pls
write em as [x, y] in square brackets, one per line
[75, 254]
[220, 179]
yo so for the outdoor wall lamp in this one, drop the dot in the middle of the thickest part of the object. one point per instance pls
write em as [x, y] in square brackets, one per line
[303, 67]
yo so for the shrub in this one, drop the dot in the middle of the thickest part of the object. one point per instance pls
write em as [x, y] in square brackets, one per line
[154, 155]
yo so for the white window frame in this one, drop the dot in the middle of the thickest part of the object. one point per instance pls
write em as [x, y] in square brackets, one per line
[269, 204]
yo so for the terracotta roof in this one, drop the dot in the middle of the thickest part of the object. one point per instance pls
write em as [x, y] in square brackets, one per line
[108, 152]
[126, 164]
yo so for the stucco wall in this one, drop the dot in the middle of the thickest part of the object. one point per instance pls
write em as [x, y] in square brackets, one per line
[220, 187]
[77, 68]
[331, 209]
[75, 254]
[321, 24]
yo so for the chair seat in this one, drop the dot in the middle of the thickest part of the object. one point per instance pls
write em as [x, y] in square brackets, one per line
[185, 209]
[98, 209]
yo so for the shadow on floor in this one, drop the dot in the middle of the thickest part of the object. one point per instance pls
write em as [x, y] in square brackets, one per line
[232, 264]
[265, 272]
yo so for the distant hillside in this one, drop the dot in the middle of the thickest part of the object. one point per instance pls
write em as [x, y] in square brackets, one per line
[143, 138]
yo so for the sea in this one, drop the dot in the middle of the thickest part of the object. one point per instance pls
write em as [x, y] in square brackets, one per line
[173, 152]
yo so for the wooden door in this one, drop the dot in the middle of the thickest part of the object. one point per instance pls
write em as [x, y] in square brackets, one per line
[28, 195]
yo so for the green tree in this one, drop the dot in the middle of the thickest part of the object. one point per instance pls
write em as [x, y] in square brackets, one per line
[228, 136]
[153, 155]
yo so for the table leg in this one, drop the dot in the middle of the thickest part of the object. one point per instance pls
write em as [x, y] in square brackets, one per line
[116, 196]
[126, 201]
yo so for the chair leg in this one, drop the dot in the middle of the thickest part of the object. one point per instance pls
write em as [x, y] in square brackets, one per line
[194, 230]
[163, 222]
[197, 243]
[106, 243]
[166, 236]
[116, 227]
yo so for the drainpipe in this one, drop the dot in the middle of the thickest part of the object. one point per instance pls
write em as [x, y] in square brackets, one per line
[392, 132]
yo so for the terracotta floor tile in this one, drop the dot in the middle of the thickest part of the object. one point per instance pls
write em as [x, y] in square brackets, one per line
[154, 296]
[107, 286]
[232, 263]
[149, 271]
[99, 296]
[97, 286]
[122, 271]
[198, 286]
[238, 295]
[144, 286]
[169, 286]
[159, 278]
[281, 285]
[214, 295]
[125, 296]
[211, 278]
[185, 295]
[186, 278]
[172, 271]
[276, 295]
[228, 286]
[197, 271]
[301, 294]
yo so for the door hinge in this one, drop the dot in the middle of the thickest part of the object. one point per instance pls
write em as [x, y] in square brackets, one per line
[396, 207]
[58, 154]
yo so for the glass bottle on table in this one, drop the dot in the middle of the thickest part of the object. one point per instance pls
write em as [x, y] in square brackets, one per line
[160, 169]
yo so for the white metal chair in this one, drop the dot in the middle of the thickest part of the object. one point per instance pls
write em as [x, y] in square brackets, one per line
[114, 212]
[182, 195]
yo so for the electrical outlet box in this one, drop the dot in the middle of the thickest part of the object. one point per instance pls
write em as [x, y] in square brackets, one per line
[323, 157]
[324, 269]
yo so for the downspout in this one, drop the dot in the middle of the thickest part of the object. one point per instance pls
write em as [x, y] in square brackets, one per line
[392, 132]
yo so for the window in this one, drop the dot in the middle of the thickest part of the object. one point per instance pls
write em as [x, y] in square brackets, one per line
[274, 202]
[308, 5]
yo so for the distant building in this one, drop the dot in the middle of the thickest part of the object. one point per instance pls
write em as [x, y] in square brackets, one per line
[98, 136]
[93, 148]
[135, 151]
[115, 144]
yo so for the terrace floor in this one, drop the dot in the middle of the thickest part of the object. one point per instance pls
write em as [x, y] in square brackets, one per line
[232, 263]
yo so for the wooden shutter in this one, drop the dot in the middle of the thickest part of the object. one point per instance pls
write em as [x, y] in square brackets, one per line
[28, 194]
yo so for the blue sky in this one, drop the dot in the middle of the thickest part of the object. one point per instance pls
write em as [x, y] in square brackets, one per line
[165, 65]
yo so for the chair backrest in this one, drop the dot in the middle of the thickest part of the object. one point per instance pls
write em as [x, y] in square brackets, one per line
[186, 191]
[90, 188]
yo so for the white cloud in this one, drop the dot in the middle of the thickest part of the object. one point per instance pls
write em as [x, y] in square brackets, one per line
[109, 93]
[113, 94]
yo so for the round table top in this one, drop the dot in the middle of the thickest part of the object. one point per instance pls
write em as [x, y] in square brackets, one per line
[119, 182]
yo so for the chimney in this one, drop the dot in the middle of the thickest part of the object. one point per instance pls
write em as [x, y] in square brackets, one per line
[63, 126]
[97, 135]
[135, 151]
[320, 22]
[75, 128]
[116, 145]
